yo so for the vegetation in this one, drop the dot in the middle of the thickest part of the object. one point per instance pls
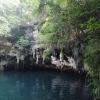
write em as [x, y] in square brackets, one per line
[61, 22]
[47, 55]
[68, 19]
[13, 16]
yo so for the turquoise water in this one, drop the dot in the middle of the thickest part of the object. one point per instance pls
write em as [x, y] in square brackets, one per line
[42, 85]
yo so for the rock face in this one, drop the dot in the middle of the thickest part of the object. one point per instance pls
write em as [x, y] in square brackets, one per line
[61, 63]
[1, 68]
[33, 54]
[77, 50]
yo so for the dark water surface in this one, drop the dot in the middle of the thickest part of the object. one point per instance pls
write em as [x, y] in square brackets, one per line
[42, 85]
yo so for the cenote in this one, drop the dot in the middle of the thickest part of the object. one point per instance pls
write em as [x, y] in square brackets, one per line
[42, 85]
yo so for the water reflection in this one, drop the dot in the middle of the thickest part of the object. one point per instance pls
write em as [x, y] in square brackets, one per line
[42, 86]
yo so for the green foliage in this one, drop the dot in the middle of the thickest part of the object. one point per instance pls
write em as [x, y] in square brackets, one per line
[72, 16]
[4, 27]
[12, 15]
[47, 55]
[47, 35]
[93, 25]
[22, 42]
[92, 54]
[93, 59]
[54, 29]
[62, 19]
[31, 7]
[47, 27]
[8, 19]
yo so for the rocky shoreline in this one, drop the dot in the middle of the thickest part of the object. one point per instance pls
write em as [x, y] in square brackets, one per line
[45, 67]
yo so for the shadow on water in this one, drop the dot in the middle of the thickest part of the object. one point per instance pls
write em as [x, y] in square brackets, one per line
[42, 85]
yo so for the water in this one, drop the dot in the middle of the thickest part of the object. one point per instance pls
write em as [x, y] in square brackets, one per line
[42, 85]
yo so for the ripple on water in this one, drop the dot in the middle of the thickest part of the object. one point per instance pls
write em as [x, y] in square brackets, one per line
[41, 85]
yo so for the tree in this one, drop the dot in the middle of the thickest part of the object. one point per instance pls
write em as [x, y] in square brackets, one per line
[76, 20]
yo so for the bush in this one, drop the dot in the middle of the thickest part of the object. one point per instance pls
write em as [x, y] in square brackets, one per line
[47, 56]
